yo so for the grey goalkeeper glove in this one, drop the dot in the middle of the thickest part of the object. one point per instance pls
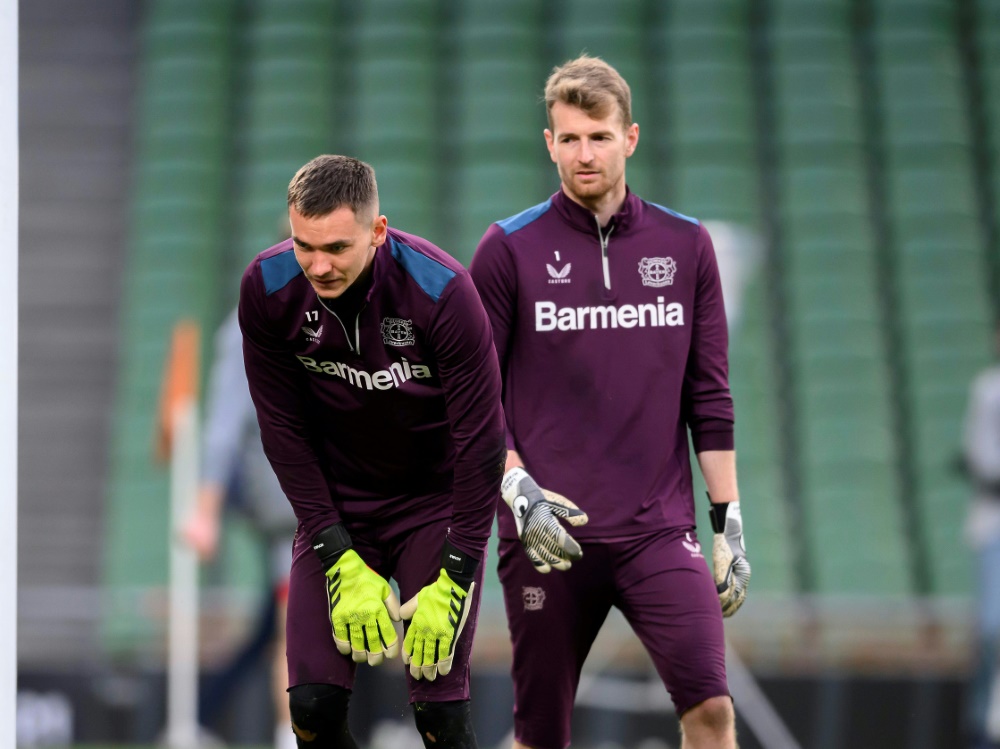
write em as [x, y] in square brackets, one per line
[729, 556]
[545, 541]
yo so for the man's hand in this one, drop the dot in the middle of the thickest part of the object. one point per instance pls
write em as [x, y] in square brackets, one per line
[545, 541]
[729, 556]
[438, 613]
[362, 606]
[201, 529]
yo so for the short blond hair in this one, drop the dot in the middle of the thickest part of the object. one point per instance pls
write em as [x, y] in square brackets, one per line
[590, 84]
[328, 182]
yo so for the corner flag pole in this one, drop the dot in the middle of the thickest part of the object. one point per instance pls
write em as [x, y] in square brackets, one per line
[178, 441]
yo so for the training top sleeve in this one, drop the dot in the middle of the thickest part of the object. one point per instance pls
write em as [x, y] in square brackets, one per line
[492, 269]
[982, 429]
[228, 409]
[470, 378]
[279, 391]
[707, 402]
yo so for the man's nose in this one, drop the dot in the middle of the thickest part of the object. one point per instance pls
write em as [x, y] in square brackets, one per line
[586, 153]
[320, 266]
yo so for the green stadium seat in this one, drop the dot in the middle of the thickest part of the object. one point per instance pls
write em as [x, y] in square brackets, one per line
[301, 13]
[847, 296]
[718, 192]
[291, 40]
[812, 263]
[824, 44]
[185, 39]
[309, 74]
[923, 256]
[827, 82]
[814, 231]
[919, 131]
[930, 192]
[182, 110]
[847, 551]
[805, 16]
[180, 176]
[724, 45]
[609, 31]
[696, 15]
[715, 121]
[915, 15]
[497, 104]
[524, 14]
[950, 330]
[697, 79]
[958, 231]
[754, 389]
[490, 191]
[406, 194]
[218, 13]
[810, 127]
[190, 74]
[823, 190]
[495, 43]
[937, 82]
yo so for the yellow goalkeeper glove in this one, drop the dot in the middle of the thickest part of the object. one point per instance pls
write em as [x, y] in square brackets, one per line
[438, 613]
[362, 606]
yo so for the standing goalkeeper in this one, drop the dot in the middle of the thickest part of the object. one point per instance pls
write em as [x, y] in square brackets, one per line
[372, 368]
[609, 323]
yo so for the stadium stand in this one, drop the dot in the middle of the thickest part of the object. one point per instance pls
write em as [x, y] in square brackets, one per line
[285, 114]
[984, 39]
[842, 389]
[396, 97]
[496, 122]
[938, 255]
[709, 122]
[178, 218]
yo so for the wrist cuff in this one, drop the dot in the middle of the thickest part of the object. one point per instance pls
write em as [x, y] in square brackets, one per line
[330, 543]
[461, 567]
[717, 514]
[510, 484]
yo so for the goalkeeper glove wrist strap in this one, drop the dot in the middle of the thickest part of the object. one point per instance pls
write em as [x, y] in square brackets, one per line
[330, 544]
[717, 514]
[461, 567]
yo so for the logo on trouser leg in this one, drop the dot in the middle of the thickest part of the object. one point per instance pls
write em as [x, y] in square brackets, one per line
[534, 598]
[692, 545]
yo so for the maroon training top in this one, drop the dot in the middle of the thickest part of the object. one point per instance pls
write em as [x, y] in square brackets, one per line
[392, 411]
[612, 343]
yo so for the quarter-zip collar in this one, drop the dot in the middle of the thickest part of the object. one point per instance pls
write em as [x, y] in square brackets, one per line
[348, 306]
[582, 219]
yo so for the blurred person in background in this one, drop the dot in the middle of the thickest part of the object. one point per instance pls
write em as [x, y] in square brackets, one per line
[372, 368]
[235, 471]
[611, 332]
[982, 463]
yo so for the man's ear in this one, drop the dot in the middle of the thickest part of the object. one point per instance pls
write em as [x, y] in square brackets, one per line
[379, 231]
[550, 143]
[631, 139]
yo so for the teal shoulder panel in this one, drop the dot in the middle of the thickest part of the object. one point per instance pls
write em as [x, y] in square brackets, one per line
[430, 275]
[525, 217]
[278, 270]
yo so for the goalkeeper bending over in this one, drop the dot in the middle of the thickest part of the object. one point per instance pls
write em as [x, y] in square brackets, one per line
[373, 372]
[608, 320]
